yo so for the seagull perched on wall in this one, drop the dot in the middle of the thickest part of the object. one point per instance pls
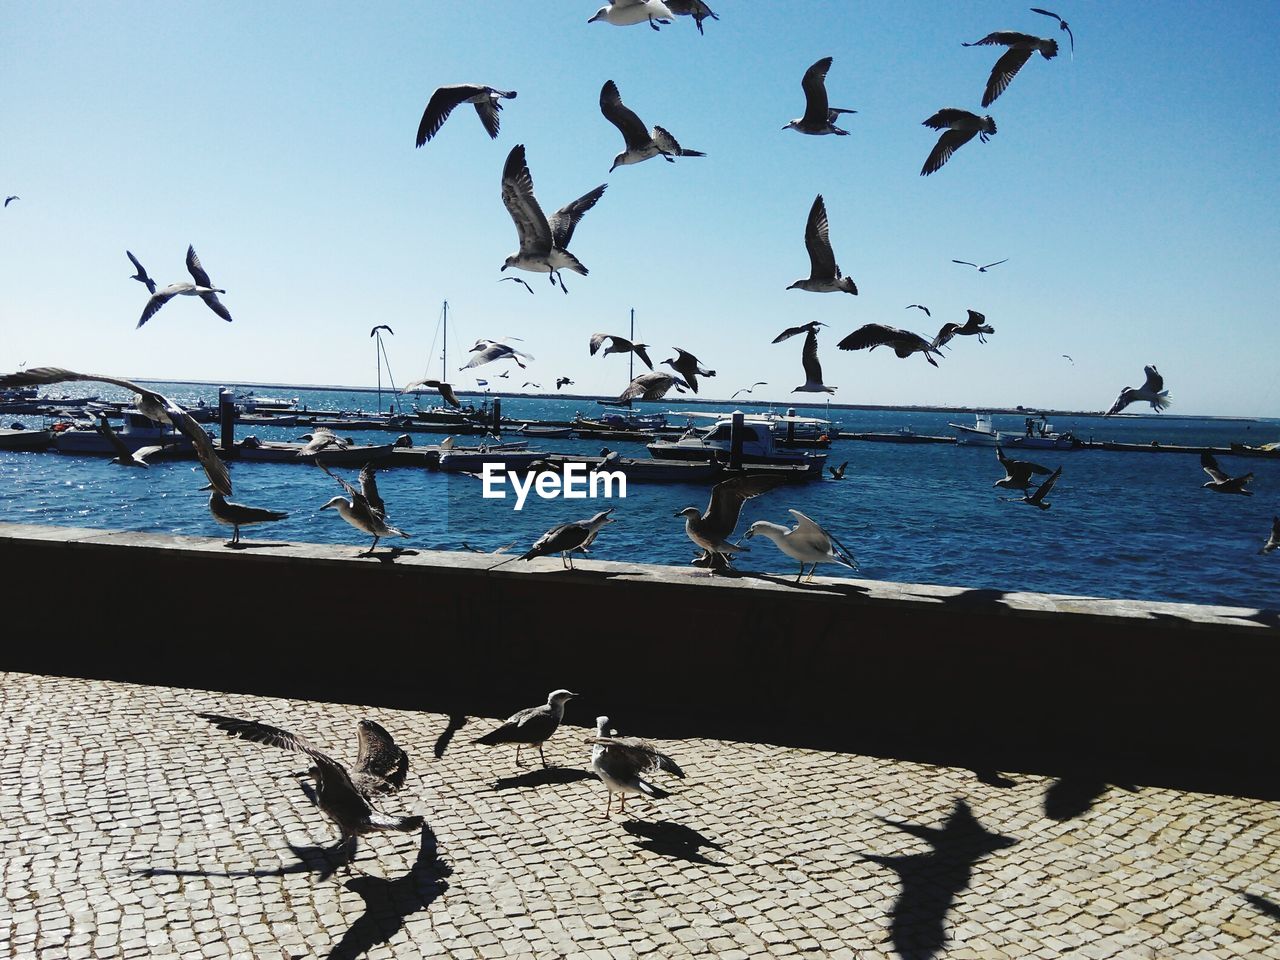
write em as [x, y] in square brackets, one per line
[566, 539]
[1018, 473]
[445, 389]
[620, 345]
[806, 542]
[543, 242]
[961, 126]
[625, 13]
[711, 529]
[487, 351]
[1062, 25]
[650, 386]
[343, 795]
[824, 272]
[1021, 47]
[237, 515]
[623, 763]
[641, 143]
[1151, 391]
[531, 727]
[365, 509]
[202, 288]
[1037, 499]
[154, 406]
[904, 342]
[976, 325]
[691, 8]
[1220, 482]
[686, 364]
[487, 101]
[141, 276]
[819, 118]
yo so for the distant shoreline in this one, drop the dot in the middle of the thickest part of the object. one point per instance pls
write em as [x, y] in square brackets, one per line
[707, 401]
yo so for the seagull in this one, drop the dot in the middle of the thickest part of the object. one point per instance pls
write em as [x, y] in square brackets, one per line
[837, 473]
[141, 275]
[1018, 473]
[237, 515]
[1220, 482]
[533, 726]
[322, 439]
[530, 383]
[1037, 499]
[504, 375]
[487, 351]
[692, 8]
[487, 100]
[566, 539]
[818, 119]
[1021, 47]
[686, 364]
[758, 383]
[154, 406]
[620, 345]
[1274, 540]
[381, 326]
[520, 280]
[918, 306]
[1151, 391]
[343, 795]
[543, 242]
[982, 269]
[810, 327]
[563, 382]
[961, 126]
[1066, 357]
[824, 272]
[9, 200]
[710, 530]
[806, 542]
[641, 143]
[976, 325]
[1062, 25]
[650, 386]
[202, 288]
[365, 510]
[623, 762]
[904, 342]
[446, 390]
[124, 456]
[624, 13]
[812, 368]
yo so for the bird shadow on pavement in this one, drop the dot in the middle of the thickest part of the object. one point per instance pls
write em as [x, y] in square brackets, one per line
[826, 586]
[931, 881]
[991, 777]
[456, 722]
[1073, 796]
[254, 546]
[392, 555]
[673, 840]
[1264, 905]
[976, 597]
[544, 777]
[322, 861]
[388, 902]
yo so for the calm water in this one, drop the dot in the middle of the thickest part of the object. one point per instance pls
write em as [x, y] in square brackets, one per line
[1122, 525]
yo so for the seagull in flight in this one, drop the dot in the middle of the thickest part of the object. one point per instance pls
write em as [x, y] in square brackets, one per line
[960, 127]
[641, 143]
[1220, 482]
[202, 288]
[824, 272]
[1018, 473]
[624, 13]
[365, 509]
[487, 101]
[651, 386]
[904, 342]
[445, 389]
[141, 275]
[918, 306]
[543, 242]
[1037, 499]
[1021, 47]
[985, 267]
[320, 440]
[812, 368]
[9, 200]
[691, 8]
[976, 325]
[687, 365]
[563, 382]
[620, 345]
[837, 473]
[124, 456]
[1062, 25]
[758, 383]
[711, 529]
[1068, 358]
[486, 351]
[819, 119]
[806, 542]
[1274, 540]
[1151, 391]
[787, 334]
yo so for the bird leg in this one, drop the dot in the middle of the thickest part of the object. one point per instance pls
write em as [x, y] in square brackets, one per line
[545, 765]
[518, 748]
[801, 573]
[608, 806]
[369, 552]
[812, 571]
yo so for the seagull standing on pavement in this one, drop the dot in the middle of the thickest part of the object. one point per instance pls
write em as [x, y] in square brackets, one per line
[202, 288]
[961, 126]
[237, 515]
[566, 540]
[487, 101]
[623, 763]
[819, 118]
[806, 542]
[824, 272]
[641, 143]
[531, 727]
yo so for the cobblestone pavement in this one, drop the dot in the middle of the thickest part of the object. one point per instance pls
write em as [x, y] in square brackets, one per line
[131, 828]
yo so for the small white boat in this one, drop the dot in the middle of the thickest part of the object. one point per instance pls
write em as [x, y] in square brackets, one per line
[980, 434]
[716, 445]
[137, 432]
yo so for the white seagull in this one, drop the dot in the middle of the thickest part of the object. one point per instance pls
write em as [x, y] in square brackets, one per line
[650, 386]
[202, 288]
[824, 272]
[806, 542]
[445, 389]
[1220, 482]
[624, 13]
[1021, 47]
[487, 100]
[623, 763]
[819, 118]
[641, 143]
[365, 510]
[812, 368]
[487, 351]
[961, 126]
[1151, 391]
[710, 529]
[543, 242]
[124, 456]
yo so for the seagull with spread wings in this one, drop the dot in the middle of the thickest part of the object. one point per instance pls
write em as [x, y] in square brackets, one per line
[620, 345]
[824, 272]
[976, 325]
[1274, 540]
[711, 529]
[758, 383]
[985, 267]
[691, 8]
[1037, 499]
[622, 763]
[1152, 391]
[812, 368]
[202, 288]
[1017, 473]
[154, 406]
[364, 509]
[1062, 25]
[960, 127]
[904, 342]
[651, 386]
[641, 143]
[625, 13]
[819, 117]
[124, 456]
[141, 276]
[1021, 47]
[487, 101]
[320, 440]
[806, 542]
[543, 242]
[487, 351]
[445, 389]
[687, 365]
[1220, 481]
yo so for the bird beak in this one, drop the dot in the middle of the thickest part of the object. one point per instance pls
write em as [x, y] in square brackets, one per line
[503, 270]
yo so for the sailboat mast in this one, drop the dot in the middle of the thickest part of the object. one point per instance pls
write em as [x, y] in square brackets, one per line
[631, 357]
[444, 356]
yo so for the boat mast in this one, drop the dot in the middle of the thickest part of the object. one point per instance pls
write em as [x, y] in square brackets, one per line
[631, 357]
[444, 355]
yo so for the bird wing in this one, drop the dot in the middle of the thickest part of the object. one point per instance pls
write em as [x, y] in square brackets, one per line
[1004, 71]
[351, 491]
[814, 84]
[947, 144]
[517, 193]
[1122, 401]
[117, 444]
[987, 266]
[918, 306]
[566, 218]
[597, 339]
[142, 453]
[214, 304]
[1043, 490]
[441, 105]
[871, 335]
[1062, 25]
[638, 350]
[965, 262]
[1155, 382]
[451, 398]
[809, 358]
[790, 332]
[1210, 464]
[728, 496]
[265, 734]
[157, 301]
[487, 110]
[369, 490]
[142, 271]
[945, 335]
[817, 240]
[946, 117]
[381, 326]
[379, 755]
[623, 117]
[648, 386]
[196, 269]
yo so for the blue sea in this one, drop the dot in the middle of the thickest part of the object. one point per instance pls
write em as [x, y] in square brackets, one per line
[1125, 525]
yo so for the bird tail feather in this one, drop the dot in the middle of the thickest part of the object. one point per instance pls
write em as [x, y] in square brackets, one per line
[381, 821]
[649, 790]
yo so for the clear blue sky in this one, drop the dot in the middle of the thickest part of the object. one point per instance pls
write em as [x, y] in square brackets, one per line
[1133, 189]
